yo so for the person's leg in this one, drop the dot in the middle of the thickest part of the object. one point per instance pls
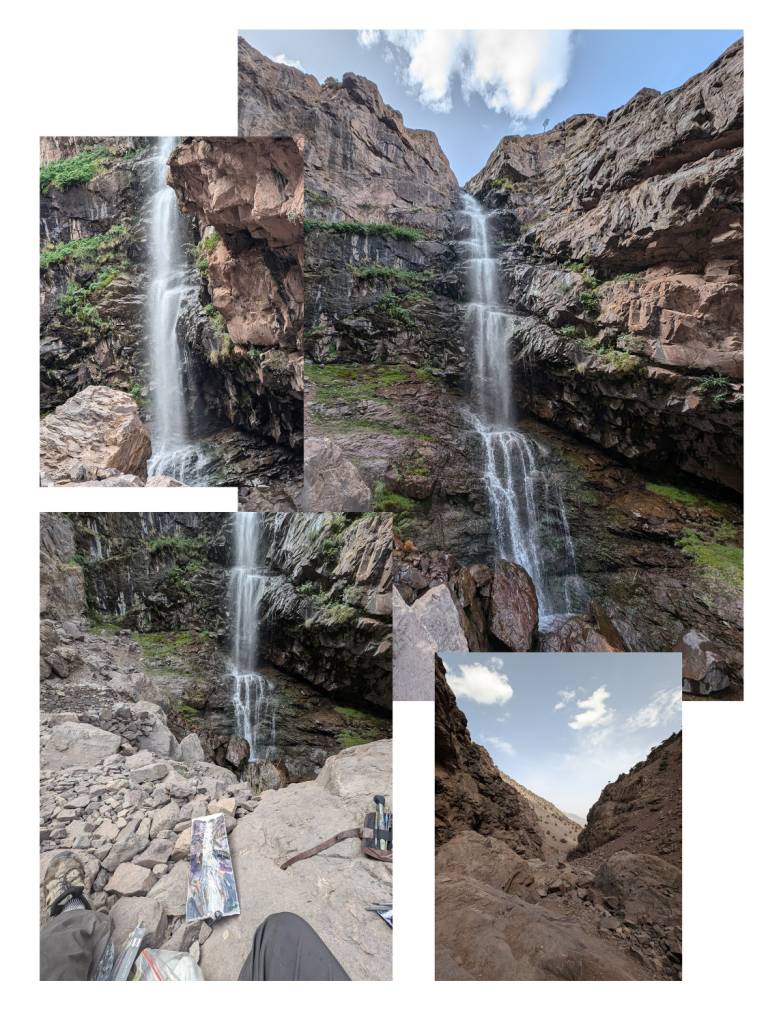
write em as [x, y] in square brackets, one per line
[286, 948]
[72, 944]
[75, 937]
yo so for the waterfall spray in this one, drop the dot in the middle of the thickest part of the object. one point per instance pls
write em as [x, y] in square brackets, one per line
[252, 695]
[529, 519]
[173, 452]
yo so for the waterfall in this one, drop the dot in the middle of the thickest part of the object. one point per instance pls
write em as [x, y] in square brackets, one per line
[529, 519]
[252, 695]
[169, 287]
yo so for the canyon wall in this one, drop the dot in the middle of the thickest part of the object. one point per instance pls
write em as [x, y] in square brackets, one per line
[620, 244]
[516, 899]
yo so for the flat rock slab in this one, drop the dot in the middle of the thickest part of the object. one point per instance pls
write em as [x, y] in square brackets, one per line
[78, 743]
[132, 910]
[330, 890]
[171, 890]
[130, 880]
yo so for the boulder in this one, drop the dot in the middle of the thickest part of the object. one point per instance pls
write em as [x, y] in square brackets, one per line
[78, 743]
[485, 859]
[165, 818]
[158, 852]
[514, 608]
[191, 749]
[97, 429]
[132, 910]
[330, 890]
[153, 771]
[130, 880]
[160, 741]
[705, 670]
[332, 482]
[238, 751]
[644, 888]
[577, 634]
[429, 625]
[124, 850]
[183, 937]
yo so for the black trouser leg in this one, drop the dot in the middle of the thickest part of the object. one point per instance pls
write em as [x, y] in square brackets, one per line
[286, 948]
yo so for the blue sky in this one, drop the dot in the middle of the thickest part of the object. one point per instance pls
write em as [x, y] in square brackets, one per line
[564, 725]
[471, 88]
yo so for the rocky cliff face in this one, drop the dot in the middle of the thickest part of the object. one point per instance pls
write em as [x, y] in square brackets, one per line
[91, 237]
[384, 340]
[470, 794]
[516, 901]
[240, 326]
[641, 811]
[621, 252]
[359, 155]
[329, 612]
[135, 609]
[246, 199]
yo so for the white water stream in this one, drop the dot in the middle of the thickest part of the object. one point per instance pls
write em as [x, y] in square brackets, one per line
[174, 453]
[253, 696]
[530, 523]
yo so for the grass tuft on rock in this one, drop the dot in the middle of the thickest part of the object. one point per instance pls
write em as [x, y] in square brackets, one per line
[723, 561]
[73, 170]
[356, 227]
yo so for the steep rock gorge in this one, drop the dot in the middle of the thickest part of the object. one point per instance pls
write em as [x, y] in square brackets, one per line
[241, 391]
[617, 248]
[136, 608]
[621, 253]
[514, 904]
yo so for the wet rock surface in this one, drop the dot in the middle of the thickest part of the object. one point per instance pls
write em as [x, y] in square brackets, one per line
[621, 255]
[93, 282]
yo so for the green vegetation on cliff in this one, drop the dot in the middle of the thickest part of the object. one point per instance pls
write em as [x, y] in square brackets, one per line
[723, 561]
[73, 170]
[95, 250]
[203, 250]
[352, 382]
[79, 301]
[398, 275]
[684, 497]
[356, 227]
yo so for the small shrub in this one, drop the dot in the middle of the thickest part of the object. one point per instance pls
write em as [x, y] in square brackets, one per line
[590, 303]
[95, 250]
[73, 170]
[716, 386]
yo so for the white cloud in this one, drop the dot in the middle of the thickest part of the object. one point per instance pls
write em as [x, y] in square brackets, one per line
[481, 683]
[594, 711]
[280, 58]
[501, 745]
[515, 72]
[663, 708]
[566, 696]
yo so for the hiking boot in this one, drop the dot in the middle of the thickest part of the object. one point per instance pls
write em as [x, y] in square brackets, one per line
[64, 881]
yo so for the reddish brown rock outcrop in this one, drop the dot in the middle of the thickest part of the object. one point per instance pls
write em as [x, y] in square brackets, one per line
[359, 154]
[624, 260]
[251, 193]
[97, 433]
[641, 811]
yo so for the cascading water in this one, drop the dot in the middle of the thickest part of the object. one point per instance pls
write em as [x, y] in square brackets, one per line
[253, 696]
[529, 518]
[173, 452]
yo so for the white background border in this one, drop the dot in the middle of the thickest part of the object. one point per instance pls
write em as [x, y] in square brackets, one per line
[160, 68]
